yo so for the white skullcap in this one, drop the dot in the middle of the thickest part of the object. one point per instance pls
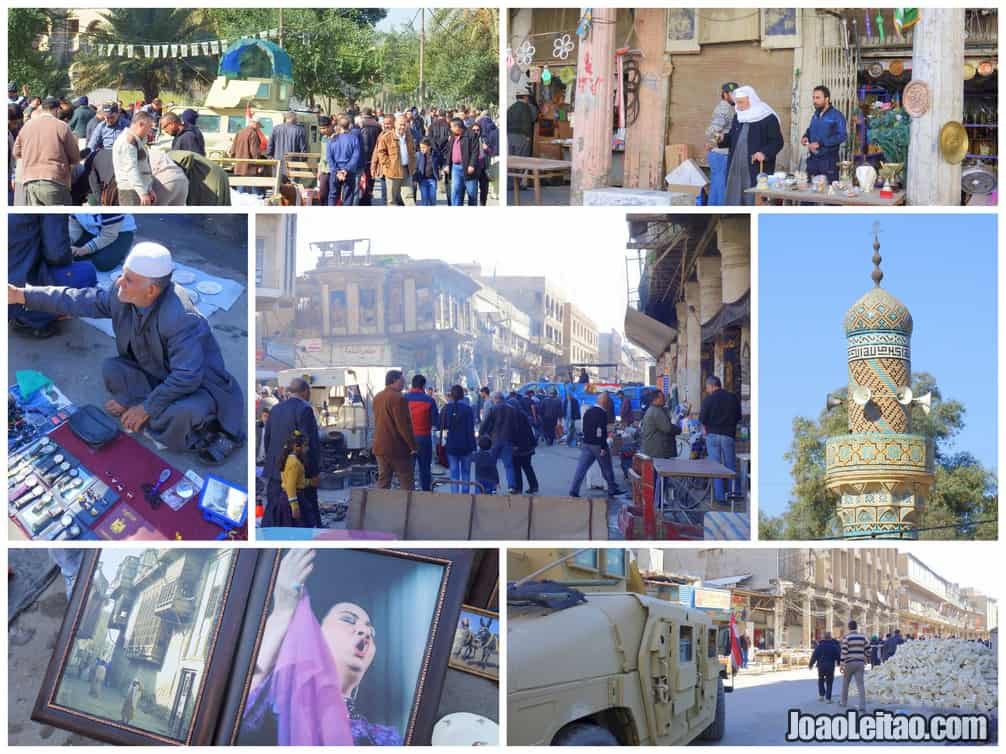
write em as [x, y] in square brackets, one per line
[150, 260]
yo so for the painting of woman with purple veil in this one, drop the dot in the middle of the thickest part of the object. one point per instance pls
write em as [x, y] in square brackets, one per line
[341, 650]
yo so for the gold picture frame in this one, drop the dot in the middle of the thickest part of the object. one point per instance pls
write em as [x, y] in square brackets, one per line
[476, 645]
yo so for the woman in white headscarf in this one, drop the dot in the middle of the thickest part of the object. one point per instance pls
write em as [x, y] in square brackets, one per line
[754, 140]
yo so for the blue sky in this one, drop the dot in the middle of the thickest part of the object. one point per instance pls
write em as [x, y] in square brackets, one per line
[396, 18]
[813, 267]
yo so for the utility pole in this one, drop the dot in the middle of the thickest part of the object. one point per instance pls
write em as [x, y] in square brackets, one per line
[280, 27]
[422, 53]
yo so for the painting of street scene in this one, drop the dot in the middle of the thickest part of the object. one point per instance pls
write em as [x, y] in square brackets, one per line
[476, 643]
[145, 634]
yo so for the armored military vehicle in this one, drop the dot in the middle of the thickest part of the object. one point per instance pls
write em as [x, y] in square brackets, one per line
[237, 90]
[617, 669]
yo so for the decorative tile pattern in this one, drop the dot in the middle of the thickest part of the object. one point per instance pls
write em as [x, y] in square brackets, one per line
[882, 413]
[878, 310]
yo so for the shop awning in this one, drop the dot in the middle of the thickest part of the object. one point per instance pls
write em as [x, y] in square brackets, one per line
[650, 334]
[729, 314]
[727, 580]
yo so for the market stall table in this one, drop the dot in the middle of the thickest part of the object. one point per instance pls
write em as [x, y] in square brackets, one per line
[535, 168]
[808, 196]
[686, 485]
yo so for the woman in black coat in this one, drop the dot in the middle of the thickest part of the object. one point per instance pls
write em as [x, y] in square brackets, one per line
[754, 140]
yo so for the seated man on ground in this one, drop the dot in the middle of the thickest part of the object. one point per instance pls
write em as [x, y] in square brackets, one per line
[169, 376]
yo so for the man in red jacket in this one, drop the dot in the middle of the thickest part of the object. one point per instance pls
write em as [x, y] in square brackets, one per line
[423, 410]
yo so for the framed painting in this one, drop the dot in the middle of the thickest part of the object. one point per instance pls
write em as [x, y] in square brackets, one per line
[344, 647]
[780, 28]
[476, 647]
[144, 652]
[683, 30]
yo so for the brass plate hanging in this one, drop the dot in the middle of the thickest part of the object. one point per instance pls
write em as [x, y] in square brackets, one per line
[969, 71]
[953, 142]
[896, 68]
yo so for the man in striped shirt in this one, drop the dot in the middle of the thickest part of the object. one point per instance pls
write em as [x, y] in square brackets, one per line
[854, 646]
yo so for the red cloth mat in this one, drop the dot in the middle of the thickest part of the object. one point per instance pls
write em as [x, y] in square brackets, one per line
[134, 465]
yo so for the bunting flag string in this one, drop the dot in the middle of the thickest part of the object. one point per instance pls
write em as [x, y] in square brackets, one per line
[180, 50]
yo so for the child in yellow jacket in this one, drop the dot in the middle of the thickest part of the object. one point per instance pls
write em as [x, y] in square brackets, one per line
[292, 474]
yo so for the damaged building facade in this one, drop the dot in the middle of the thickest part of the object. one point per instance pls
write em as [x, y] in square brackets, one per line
[449, 322]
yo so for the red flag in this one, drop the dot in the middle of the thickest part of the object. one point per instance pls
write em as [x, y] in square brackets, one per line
[735, 645]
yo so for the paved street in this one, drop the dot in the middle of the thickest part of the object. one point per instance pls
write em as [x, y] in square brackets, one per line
[757, 710]
[26, 664]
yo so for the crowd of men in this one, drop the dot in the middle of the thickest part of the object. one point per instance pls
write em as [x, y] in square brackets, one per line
[410, 151]
[471, 433]
[63, 153]
[73, 153]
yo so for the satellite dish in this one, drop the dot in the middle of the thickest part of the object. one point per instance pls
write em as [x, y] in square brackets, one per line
[861, 395]
[904, 395]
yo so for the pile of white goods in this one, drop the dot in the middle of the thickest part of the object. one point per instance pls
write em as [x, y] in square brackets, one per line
[944, 673]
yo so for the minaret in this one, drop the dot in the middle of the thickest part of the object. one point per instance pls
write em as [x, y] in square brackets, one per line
[881, 471]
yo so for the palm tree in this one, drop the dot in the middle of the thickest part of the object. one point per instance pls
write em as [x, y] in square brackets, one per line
[146, 26]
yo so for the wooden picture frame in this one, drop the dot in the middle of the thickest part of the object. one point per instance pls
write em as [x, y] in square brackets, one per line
[683, 31]
[443, 577]
[468, 646]
[780, 28]
[158, 583]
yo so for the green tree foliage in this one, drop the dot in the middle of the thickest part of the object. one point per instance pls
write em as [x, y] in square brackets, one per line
[461, 59]
[149, 75]
[463, 56]
[333, 50]
[964, 492]
[27, 65]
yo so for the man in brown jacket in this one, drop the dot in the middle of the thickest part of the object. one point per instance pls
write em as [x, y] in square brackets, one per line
[394, 159]
[46, 151]
[394, 443]
[247, 145]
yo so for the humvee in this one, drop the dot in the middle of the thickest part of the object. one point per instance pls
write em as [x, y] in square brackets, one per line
[620, 669]
[234, 92]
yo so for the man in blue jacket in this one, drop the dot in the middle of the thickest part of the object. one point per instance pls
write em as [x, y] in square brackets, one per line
[112, 123]
[824, 136]
[827, 654]
[343, 154]
[39, 253]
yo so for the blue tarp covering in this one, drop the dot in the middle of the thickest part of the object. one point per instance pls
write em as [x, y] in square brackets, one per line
[230, 63]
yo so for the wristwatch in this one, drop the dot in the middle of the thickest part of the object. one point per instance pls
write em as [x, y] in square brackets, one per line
[64, 474]
[21, 487]
[55, 472]
[25, 498]
[47, 464]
